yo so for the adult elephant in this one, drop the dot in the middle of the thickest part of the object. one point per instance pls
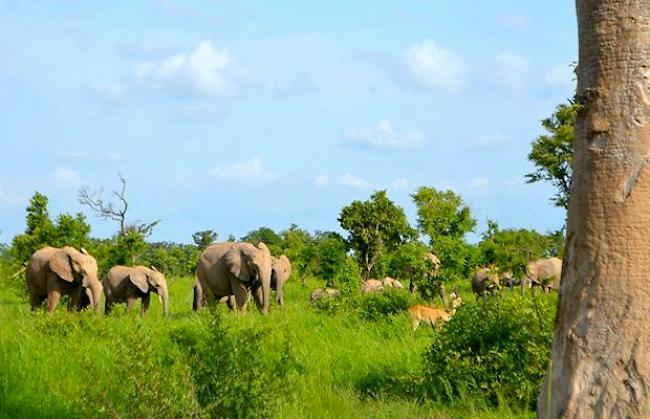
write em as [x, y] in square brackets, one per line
[226, 269]
[280, 272]
[124, 284]
[484, 281]
[53, 272]
[545, 273]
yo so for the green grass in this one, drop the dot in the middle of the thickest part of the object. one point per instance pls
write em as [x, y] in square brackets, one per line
[82, 365]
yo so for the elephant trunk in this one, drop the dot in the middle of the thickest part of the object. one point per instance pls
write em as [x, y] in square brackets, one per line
[266, 294]
[278, 292]
[164, 298]
[94, 293]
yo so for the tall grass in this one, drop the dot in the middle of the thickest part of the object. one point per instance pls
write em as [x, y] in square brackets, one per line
[295, 362]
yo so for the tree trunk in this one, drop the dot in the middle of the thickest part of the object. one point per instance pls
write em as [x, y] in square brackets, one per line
[600, 360]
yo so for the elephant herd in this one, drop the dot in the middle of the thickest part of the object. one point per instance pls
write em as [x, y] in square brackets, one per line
[544, 273]
[226, 272]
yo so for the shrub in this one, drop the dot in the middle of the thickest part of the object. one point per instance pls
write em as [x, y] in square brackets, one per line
[374, 306]
[234, 376]
[492, 349]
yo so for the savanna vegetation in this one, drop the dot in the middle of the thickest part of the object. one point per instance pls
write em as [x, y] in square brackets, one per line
[353, 355]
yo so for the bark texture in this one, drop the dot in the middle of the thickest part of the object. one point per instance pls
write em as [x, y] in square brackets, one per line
[600, 361]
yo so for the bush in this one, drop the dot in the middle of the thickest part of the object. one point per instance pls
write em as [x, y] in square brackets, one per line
[233, 374]
[374, 306]
[493, 349]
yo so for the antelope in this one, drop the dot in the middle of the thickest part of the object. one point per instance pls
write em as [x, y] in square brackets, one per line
[432, 315]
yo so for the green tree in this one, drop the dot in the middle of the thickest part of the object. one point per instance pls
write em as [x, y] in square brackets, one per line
[297, 245]
[511, 249]
[266, 235]
[445, 219]
[203, 238]
[330, 253]
[552, 153]
[375, 226]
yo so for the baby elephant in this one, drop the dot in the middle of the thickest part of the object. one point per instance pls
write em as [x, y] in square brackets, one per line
[126, 284]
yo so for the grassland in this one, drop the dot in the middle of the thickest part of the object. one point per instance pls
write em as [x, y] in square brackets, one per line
[123, 365]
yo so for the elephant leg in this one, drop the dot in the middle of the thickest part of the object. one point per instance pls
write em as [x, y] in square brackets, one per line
[130, 302]
[74, 303]
[144, 306]
[108, 305]
[53, 298]
[36, 300]
[258, 297]
[241, 294]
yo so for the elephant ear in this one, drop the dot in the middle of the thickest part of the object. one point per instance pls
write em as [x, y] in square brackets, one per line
[263, 247]
[139, 279]
[61, 264]
[237, 265]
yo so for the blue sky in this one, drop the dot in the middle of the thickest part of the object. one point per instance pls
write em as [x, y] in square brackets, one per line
[230, 115]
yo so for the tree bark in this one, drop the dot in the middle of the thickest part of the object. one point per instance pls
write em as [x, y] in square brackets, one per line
[600, 360]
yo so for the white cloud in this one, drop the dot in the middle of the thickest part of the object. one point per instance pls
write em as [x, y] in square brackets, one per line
[561, 77]
[354, 181]
[515, 21]
[488, 142]
[510, 72]
[383, 136]
[114, 156]
[246, 170]
[322, 180]
[400, 183]
[205, 71]
[435, 67]
[479, 184]
[66, 175]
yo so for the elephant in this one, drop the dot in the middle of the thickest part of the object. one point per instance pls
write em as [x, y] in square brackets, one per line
[327, 293]
[281, 270]
[199, 301]
[509, 280]
[232, 268]
[124, 284]
[485, 280]
[53, 272]
[545, 273]
[375, 285]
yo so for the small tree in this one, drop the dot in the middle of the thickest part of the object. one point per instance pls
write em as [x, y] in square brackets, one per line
[204, 238]
[552, 153]
[445, 219]
[330, 255]
[374, 227]
[266, 235]
[130, 241]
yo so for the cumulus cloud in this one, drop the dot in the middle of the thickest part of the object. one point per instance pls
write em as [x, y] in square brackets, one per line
[322, 180]
[514, 21]
[510, 71]
[479, 184]
[66, 175]
[435, 67]
[488, 142]
[205, 71]
[561, 77]
[384, 136]
[400, 183]
[353, 181]
[246, 170]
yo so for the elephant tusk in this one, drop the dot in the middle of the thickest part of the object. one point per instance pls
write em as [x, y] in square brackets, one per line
[159, 298]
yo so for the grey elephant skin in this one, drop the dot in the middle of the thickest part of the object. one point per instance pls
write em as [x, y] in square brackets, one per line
[226, 269]
[545, 273]
[280, 273]
[485, 281]
[321, 294]
[53, 272]
[124, 284]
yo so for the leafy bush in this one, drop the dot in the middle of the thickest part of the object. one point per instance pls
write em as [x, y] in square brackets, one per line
[233, 374]
[492, 349]
[374, 306]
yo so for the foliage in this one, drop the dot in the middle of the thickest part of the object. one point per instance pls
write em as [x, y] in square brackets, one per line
[496, 349]
[41, 231]
[412, 261]
[204, 238]
[445, 219]
[172, 258]
[552, 153]
[511, 249]
[377, 305]
[375, 226]
[270, 238]
[329, 257]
